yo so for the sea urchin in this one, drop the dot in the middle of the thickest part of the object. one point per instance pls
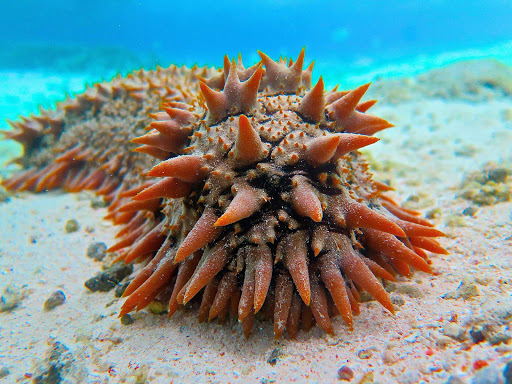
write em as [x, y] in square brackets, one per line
[257, 202]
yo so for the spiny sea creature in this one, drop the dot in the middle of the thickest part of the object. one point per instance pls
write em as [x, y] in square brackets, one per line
[247, 194]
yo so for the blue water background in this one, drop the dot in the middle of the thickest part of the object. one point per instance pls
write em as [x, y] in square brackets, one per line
[50, 49]
[338, 34]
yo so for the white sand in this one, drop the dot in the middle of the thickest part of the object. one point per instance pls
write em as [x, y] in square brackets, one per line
[418, 156]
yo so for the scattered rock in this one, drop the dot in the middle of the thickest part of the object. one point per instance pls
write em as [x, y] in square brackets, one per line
[442, 341]
[455, 220]
[345, 373]
[469, 211]
[98, 202]
[368, 378]
[413, 199]
[274, 356]
[97, 251]
[121, 288]
[90, 229]
[433, 213]
[453, 330]
[410, 290]
[365, 353]
[4, 372]
[56, 298]
[157, 307]
[109, 278]
[389, 357]
[59, 367]
[477, 335]
[487, 186]
[397, 300]
[126, 320]
[465, 290]
[12, 296]
[71, 226]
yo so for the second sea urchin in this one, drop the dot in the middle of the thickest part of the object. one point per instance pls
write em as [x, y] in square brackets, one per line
[261, 207]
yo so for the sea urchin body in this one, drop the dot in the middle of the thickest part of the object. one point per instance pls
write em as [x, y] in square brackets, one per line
[257, 202]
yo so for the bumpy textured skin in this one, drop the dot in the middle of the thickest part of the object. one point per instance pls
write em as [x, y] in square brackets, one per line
[257, 202]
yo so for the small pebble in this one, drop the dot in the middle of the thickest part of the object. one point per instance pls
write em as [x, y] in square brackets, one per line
[157, 307]
[498, 175]
[90, 229]
[12, 296]
[71, 226]
[469, 211]
[477, 335]
[364, 354]
[443, 341]
[98, 202]
[414, 198]
[453, 330]
[465, 290]
[345, 373]
[274, 356]
[126, 320]
[4, 372]
[58, 366]
[455, 221]
[389, 357]
[410, 290]
[108, 279]
[397, 300]
[368, 378]
[56, 298]
[97, 251]
[433, 213]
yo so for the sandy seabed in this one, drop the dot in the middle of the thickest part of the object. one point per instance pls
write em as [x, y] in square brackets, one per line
[451, 327]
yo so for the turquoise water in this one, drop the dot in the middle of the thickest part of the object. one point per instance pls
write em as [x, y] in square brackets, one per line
[122, 34]
[94, 40]
[50, 50]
